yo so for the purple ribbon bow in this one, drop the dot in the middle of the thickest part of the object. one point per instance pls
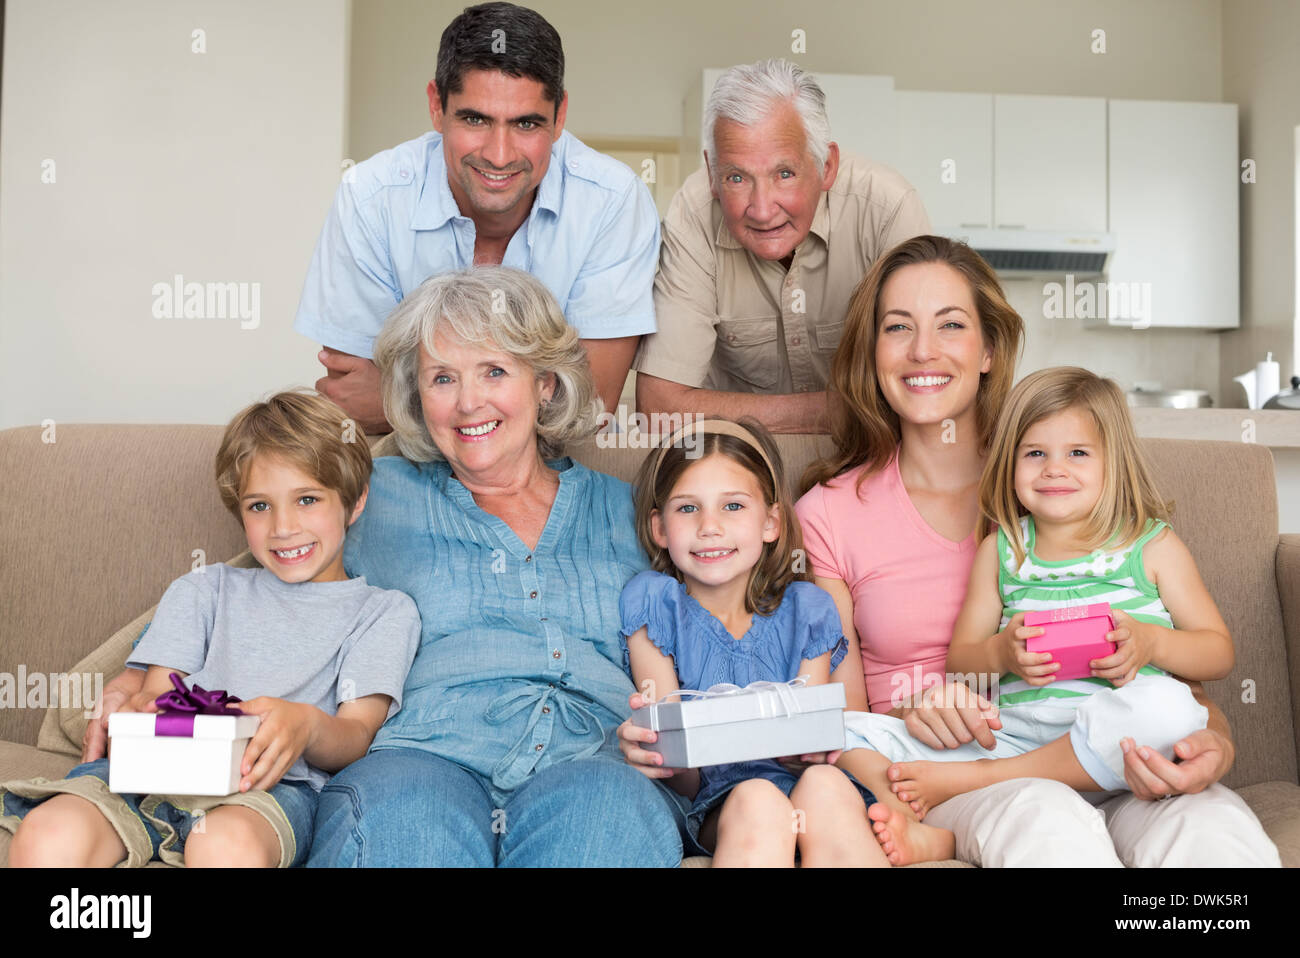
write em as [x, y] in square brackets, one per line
[180, 705]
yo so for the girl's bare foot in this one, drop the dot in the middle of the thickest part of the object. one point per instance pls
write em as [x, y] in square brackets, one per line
[904, 840]
[923, 785]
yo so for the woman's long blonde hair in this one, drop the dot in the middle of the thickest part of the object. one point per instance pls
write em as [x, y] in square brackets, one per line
[1129, 499]
[863, 425]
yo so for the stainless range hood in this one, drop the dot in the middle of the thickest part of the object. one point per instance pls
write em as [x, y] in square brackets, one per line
[1017, 253]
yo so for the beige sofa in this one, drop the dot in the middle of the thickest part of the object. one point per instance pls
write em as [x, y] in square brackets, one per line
[94, 525]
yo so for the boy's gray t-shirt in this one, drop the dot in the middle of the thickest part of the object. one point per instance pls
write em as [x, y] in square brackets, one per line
[319, 643]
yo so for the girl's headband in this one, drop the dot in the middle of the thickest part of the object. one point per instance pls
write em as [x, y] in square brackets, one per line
[724, 427]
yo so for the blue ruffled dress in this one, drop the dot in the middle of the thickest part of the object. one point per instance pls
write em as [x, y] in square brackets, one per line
[805, 625]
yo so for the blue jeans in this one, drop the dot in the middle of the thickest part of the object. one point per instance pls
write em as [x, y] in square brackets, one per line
[411, 808]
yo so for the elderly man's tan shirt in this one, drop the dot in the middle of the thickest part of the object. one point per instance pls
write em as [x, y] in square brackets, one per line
[730, 321]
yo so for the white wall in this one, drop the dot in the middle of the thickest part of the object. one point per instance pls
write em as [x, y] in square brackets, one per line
[1261, 72]
[629, 63]
[218, 166]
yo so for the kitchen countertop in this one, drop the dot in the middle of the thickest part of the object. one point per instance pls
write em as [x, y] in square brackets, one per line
[1276, 428]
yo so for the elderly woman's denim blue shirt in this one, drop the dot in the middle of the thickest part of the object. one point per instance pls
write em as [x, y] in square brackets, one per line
[519, 663]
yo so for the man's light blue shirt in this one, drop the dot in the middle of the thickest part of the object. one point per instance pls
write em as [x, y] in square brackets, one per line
[592, 237]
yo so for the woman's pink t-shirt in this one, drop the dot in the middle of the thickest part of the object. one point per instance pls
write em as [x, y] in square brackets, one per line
[907, 581]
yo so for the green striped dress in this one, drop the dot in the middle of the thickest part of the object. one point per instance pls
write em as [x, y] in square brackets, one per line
[1116, 577]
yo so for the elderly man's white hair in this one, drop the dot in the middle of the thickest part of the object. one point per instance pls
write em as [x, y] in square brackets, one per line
[746, 94]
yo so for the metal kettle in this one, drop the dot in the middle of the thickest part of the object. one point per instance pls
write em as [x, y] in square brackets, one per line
[1287, 398]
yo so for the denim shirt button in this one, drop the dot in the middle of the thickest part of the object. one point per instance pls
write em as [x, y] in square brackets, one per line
[528, 558]
[555, 654]
[546, 710]
[540, 747]
[533, 594]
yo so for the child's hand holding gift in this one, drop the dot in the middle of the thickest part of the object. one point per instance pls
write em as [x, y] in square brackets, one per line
[143, 701]
[287, 730]
[631, 737]
[1136, 645]
[1036, 668]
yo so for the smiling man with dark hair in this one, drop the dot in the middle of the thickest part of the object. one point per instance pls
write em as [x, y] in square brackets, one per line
[497, 182]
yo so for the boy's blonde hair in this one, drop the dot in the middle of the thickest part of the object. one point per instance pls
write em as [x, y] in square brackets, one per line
[775, 569]
[303, 429]
[1129, 498]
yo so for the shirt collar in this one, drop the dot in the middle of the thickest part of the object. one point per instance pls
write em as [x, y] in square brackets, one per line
[551, 190]
[820, 226]
[437, 206]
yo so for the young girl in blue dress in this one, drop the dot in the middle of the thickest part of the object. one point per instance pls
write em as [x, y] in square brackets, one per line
[725, 604]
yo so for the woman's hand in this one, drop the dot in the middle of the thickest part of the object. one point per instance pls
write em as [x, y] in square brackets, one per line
[1135, 646]
[630, 739]
[1203, 760]
[949, 716]
[117, 697]
[1036, 668]
[286, 731]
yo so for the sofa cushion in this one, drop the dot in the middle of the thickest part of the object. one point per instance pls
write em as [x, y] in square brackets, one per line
[1288, 588]
[1277, 806]
[1226, 512]
[96, 525]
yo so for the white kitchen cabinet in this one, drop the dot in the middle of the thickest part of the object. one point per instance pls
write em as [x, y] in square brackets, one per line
[1174, 183]
[945, 150]
[1049, 163]
[861, 111]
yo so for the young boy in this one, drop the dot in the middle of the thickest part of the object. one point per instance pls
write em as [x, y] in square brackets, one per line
[320, 657]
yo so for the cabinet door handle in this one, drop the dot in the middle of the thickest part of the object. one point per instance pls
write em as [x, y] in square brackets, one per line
[974, 226]
[1011, 226]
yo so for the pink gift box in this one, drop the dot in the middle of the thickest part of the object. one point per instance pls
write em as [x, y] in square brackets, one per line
[1075, 636]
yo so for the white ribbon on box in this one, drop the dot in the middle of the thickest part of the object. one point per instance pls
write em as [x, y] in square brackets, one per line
[770, 695]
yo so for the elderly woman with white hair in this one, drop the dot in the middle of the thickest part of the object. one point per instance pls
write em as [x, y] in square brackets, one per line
[515, 557]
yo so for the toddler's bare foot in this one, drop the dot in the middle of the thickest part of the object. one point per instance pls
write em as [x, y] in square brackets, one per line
[923, 785]
[905, 840]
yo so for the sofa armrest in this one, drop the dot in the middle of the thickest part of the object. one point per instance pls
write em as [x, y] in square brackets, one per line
[1288, 591]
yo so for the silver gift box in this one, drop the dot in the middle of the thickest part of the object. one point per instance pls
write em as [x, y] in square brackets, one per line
[746, 725]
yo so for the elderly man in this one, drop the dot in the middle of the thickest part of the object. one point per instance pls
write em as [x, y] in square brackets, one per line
[762, 248]
[499, 182]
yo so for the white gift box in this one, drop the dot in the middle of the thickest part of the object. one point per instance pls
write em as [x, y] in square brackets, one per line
[762, 720]
[206, 763]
